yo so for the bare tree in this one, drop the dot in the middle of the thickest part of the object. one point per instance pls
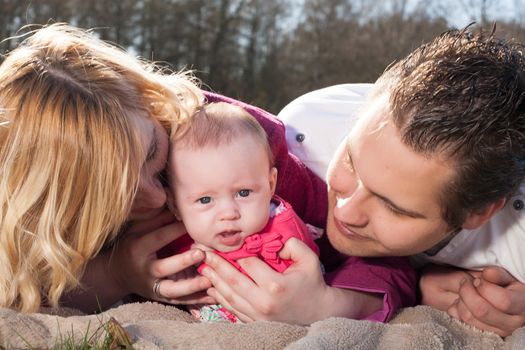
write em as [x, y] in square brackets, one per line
[260, 36]
[265, 51]
[11, 19]
[115, 20]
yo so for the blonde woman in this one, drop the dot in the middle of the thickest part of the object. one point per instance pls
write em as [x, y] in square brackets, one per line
[83, 142]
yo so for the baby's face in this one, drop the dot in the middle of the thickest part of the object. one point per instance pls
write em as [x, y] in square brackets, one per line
[222, 193]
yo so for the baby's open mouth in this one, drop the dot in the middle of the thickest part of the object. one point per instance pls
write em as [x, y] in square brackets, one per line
[230, 238]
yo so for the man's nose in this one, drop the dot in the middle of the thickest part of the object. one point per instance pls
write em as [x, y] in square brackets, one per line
[350, 208]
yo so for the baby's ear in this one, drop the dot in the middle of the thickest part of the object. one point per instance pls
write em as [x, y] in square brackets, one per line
[273, 179]
[171, 204]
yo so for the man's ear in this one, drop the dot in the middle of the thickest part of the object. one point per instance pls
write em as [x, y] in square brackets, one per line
[476, 219]
[273, 179]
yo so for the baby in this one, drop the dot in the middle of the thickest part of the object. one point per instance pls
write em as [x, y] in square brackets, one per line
[222, 180]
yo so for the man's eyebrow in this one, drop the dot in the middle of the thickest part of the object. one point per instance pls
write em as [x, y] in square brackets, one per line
[153, 146]
[407, 212]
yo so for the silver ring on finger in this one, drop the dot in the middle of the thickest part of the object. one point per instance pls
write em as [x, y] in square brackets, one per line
[156, 288]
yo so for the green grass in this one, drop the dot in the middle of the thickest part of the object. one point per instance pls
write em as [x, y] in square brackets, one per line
[108, 335]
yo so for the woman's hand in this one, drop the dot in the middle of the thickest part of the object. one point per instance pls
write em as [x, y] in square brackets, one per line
[298, 295]
[133, 267]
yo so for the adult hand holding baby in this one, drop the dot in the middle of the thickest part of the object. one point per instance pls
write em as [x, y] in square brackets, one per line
[133, 267]
[285, 297]
[269, 295]
[136, 268]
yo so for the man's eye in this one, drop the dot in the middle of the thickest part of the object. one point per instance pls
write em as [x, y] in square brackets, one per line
[393, 210]
[204, 200]
[244, 193]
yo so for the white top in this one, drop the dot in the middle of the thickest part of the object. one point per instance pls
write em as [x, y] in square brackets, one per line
[325, 117]
[500, 242]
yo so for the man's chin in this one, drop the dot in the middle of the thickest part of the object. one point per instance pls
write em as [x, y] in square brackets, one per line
[348, 247]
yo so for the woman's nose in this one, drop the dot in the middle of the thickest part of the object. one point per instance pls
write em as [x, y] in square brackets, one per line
[151, 194]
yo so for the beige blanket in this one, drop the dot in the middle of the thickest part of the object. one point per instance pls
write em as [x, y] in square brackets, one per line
[155, 326]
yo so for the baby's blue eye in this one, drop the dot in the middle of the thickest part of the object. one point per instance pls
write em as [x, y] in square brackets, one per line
[244, 193]
[204, 200]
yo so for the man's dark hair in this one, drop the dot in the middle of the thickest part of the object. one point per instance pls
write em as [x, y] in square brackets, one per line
[461, 96]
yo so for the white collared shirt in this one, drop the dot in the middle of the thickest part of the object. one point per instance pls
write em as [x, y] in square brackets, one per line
[318, 121]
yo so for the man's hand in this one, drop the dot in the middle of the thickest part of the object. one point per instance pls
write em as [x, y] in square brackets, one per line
[490, 300]
[495, 302]
[298, 295]
[439, 285]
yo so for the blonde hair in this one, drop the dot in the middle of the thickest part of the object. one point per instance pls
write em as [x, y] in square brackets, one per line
[218, 123]
[70, 155]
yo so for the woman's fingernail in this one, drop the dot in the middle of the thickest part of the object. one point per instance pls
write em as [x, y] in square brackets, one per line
[477, 282]
[205, 272]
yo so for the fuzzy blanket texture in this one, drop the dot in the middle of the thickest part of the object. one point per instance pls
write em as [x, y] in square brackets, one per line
[156, 326]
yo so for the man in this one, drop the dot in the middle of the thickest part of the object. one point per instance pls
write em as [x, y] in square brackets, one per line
[436, 152]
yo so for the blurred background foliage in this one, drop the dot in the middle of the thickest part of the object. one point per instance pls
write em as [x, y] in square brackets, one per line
[267, 52]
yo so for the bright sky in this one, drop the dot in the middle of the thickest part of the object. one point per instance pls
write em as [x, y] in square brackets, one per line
[460, 13]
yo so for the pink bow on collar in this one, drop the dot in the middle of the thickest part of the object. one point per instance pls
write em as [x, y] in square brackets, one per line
[267, 247]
